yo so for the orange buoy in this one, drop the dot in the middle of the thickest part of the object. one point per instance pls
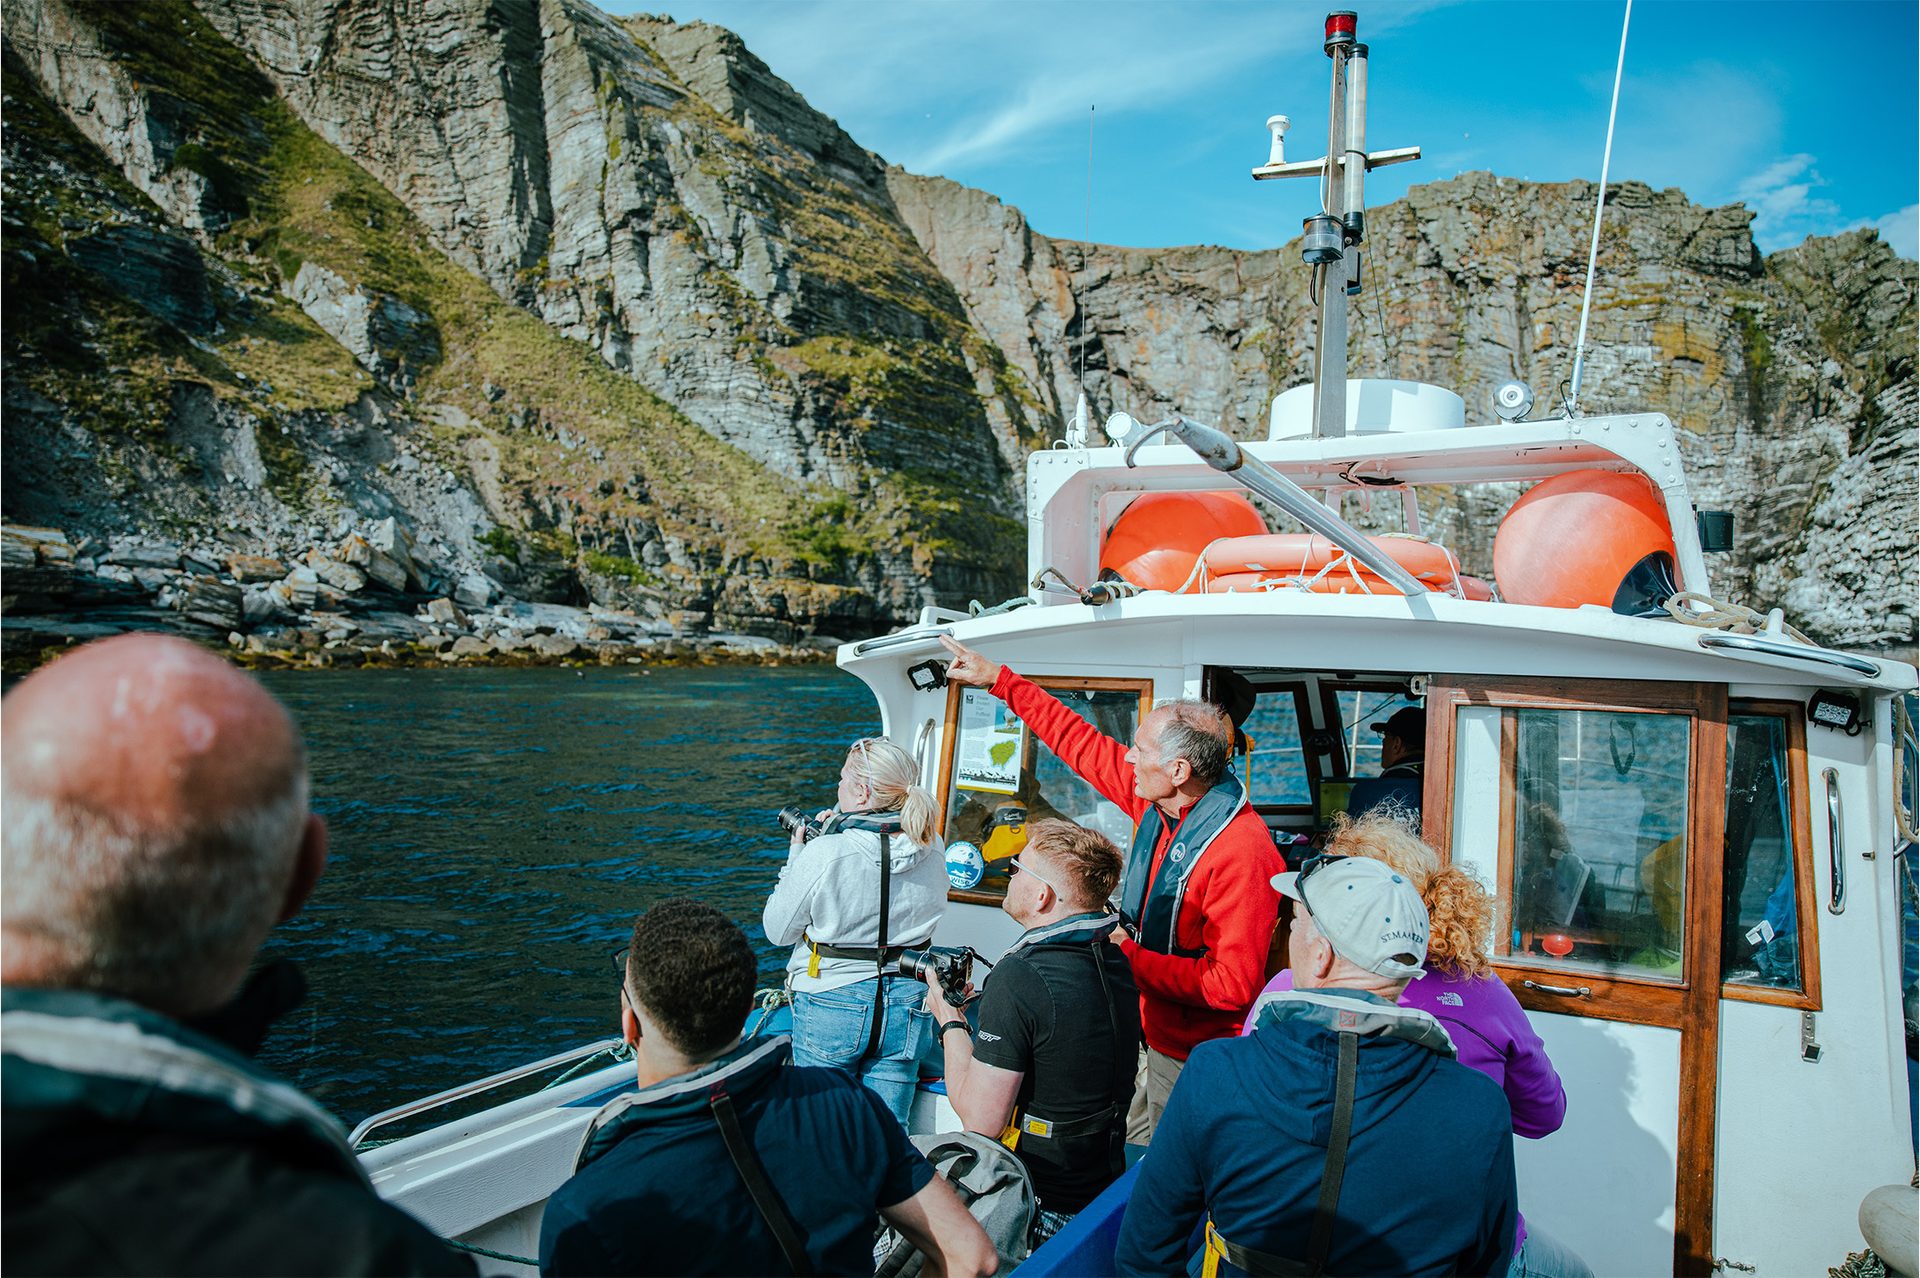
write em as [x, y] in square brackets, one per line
[1587, 537]
[1157, 539]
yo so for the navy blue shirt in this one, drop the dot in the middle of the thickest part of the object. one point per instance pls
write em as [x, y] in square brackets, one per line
[665, 1198]
[1429, 1187]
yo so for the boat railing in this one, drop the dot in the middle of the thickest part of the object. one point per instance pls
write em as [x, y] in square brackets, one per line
[439, 1100]
[1795, 651]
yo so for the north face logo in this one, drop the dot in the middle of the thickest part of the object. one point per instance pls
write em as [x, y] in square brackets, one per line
[1453, 1000]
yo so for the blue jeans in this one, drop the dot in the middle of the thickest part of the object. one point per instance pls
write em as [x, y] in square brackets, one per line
[1544, 1256]
[831, 1027]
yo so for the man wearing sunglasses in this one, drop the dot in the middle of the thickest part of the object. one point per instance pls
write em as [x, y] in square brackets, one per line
[1050, 1069]
[1342, 1134]
[1195, 899]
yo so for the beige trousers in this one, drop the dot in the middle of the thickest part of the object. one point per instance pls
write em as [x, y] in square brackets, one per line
[1152, 1083]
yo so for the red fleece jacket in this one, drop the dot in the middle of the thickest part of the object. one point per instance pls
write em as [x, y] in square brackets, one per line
[1230, 904]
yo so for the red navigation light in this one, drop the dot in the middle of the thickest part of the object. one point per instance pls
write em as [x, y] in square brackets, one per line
[1340, 28]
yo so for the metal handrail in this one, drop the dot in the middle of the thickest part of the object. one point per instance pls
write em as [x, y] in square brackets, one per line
[896, 640]
[1777, 648]
[1836, 855]
[1219, 450]
[452, 1094]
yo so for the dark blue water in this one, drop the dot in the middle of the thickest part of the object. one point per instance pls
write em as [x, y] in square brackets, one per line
[495, 832]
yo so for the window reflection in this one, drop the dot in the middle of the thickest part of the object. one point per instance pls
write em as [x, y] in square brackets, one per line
[1760, 930]
[1277, 762]
[1599, 839]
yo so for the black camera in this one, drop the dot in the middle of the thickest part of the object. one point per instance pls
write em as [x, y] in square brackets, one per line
[953, 968]
[799, 823]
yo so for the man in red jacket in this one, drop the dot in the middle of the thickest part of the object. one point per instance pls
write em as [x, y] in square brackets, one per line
[1197, 896]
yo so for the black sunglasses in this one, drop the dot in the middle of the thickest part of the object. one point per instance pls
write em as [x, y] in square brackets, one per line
[1312, 865]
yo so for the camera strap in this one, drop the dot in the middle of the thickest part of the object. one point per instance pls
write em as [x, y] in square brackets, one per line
[880, 961]
[753, 1173]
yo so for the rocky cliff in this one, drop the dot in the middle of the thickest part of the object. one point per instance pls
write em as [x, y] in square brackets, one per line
[547, 306]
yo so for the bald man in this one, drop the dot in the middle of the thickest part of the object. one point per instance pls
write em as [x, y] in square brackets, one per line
[154, 826]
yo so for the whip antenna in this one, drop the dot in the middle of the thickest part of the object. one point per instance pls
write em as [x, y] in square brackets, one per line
[1078, 429]
[1599, 208]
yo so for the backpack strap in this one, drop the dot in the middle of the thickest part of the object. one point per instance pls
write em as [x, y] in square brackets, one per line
[765, 1199]
[1264, 1264]
[1336, 1170]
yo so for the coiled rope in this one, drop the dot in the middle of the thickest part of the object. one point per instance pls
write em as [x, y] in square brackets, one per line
[1718, 614]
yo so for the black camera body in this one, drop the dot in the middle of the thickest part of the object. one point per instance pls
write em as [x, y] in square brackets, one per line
[953, 968]
[798, 822]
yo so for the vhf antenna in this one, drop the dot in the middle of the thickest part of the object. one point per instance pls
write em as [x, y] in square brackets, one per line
[1079, 429]
[1334, 235]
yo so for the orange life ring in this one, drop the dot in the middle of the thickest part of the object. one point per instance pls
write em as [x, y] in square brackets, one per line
[1348, 579]
[1306, 554]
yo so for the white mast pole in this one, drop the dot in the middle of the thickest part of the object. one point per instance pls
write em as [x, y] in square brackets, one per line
[1599, 208]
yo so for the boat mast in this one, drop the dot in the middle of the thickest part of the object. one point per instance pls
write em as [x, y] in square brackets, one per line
[1333, 237]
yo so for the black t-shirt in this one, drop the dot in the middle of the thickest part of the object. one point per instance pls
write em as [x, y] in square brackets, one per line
[1044, 1012]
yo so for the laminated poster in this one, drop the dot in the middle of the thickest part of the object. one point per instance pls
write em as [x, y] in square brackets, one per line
[991, 744]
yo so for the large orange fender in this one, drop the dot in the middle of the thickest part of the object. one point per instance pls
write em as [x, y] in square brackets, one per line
[1574, 538]
[1156, 541]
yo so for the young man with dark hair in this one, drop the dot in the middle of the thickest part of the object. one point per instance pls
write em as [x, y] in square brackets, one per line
[728, 1160]
[1059, 1025]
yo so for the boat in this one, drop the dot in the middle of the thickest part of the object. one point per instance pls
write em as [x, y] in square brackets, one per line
[1693, 817]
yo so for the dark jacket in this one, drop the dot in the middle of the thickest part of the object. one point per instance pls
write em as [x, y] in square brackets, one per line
[1429, 1186]
[133, 1145]
[656, 1192]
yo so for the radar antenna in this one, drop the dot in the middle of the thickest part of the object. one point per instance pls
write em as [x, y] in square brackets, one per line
[1334, 235]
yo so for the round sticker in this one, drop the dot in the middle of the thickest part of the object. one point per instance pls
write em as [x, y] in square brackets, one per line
[965, 866]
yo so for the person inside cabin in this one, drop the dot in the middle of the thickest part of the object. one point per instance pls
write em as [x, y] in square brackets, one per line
[1341, 1135]
[1490, 1030]
[156, 828]
[871, 885]
[1051, 1066]
[727, 1160]
[1403, 747]
[1195, 898]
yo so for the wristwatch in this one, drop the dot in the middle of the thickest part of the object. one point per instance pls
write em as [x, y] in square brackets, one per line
[960, 1025]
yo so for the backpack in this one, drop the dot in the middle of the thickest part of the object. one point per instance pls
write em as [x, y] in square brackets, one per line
[990, 1181]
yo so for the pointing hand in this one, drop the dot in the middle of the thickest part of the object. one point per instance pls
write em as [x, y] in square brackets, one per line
[969, 667]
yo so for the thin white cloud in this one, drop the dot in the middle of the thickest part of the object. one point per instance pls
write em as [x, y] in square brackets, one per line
[1786, 206]
[1901, 231]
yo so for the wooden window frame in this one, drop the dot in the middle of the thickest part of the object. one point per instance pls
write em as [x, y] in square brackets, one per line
[1692, 1007]
[951, 729]
[1800, 817]
[1636, 1000]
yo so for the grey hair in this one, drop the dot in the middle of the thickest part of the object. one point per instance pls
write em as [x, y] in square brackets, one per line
[164, 917]
[1198, 732]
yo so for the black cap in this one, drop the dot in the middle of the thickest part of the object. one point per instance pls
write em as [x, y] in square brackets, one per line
[1408, 723]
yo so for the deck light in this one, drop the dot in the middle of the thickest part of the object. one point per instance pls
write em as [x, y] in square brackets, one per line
[927, 676]
[1836, 710]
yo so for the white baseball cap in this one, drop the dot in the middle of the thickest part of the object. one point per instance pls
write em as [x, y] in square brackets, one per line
[1371, 915]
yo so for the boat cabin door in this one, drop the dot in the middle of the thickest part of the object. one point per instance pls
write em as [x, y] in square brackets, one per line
[1586, 804]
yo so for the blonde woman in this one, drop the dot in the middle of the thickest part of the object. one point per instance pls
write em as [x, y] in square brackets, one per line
[851, 1008]
[1490, 1030]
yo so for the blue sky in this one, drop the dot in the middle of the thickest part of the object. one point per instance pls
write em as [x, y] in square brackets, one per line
[1804, 111]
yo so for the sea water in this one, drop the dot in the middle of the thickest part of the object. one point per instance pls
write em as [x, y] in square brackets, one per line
[494, 832]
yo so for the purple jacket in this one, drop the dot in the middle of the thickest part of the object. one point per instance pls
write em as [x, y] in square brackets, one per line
[1490, 1033]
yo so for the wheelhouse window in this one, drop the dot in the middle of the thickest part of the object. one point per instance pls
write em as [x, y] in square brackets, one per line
[999, 776]
[1594, 819]
[1360, 709]
[1274, 767]
[1766, 905]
